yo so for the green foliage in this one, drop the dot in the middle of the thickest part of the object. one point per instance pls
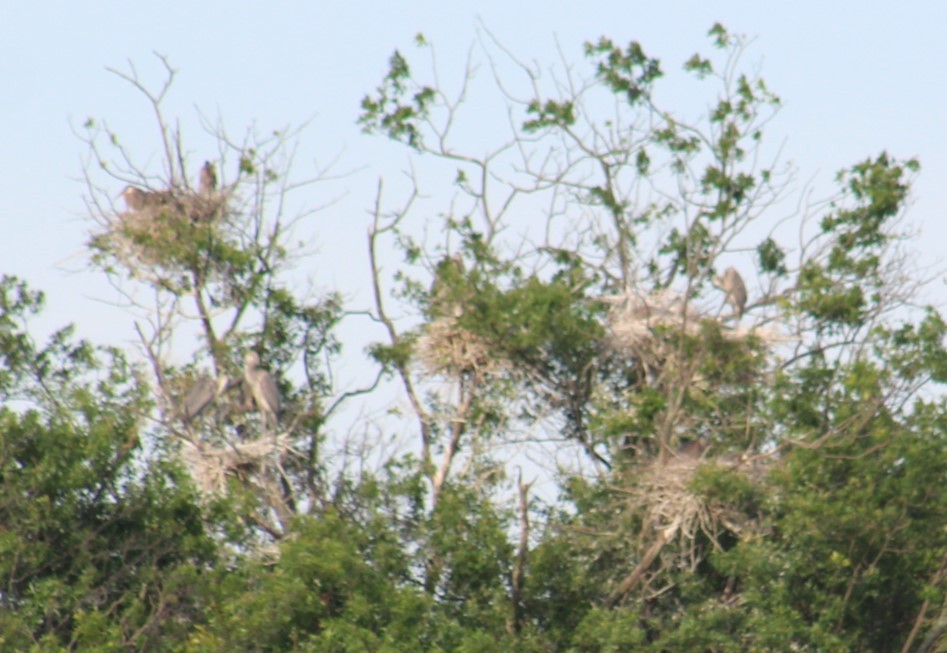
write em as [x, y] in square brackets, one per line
[394, 356]
[471, 557]
[851, 560]
[550, 114]
[391, 111]
[771, 256]
[104, 547]
[340, 584]
[629, 72]
[723, 486]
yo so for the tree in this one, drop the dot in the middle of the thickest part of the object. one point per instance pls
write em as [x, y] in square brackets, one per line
[718, 445]
[210, 257]
[766, 478]
[103, 545]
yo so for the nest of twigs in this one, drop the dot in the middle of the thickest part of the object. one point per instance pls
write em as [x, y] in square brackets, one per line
[674, 512]
[212, 465]
[674, 509]
[636, 321]
[665, 493]
[446, 348]
[634, 317]
[164, 231]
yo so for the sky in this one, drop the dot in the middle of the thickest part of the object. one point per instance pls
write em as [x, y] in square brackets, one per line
[856, 78]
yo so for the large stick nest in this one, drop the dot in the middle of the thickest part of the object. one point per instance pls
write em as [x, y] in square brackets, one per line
[636, 320]
[447, 348]
[671, 505]
[665, 493]
[212, 465]
[165, 231]
[633, 317]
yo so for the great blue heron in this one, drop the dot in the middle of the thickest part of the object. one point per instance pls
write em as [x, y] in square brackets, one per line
[137, 199]
[208, 180]
[204, 391]
[262, 388]
[732, 284]
[134, 198]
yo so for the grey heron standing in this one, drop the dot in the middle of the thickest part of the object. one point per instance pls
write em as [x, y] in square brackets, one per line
[262, 388]
[732, 284]
[204, 391]
[208, 179]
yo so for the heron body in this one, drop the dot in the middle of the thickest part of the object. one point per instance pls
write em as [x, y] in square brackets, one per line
[732, 284]
[204, 391]
[137, 199]
[208, 179]
[262, 388]
[134, 198]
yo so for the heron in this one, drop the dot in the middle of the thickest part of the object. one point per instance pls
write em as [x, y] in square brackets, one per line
[732, 284]
[134, 198]
[262, 388]
[202, 393]
[137, 199]
[208, 179]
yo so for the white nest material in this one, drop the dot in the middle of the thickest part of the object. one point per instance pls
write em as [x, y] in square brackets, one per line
[446, 348]
[673, 509]
[211, 465]
[669, 502]
[633, 316]
[142, 236]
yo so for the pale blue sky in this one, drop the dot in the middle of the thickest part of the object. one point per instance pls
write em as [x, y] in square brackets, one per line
[857, 77]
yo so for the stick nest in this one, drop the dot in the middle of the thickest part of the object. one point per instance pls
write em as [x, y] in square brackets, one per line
[446, 348]
[671, 505]
[665, 493]
[212, 465]
[636, 319]
[164, 233]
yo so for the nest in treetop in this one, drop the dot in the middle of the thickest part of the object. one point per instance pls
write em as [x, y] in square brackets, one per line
[211, 465]
[672, 507]
[665, 493]
[635, 320]
[163, 228]
[446, 348]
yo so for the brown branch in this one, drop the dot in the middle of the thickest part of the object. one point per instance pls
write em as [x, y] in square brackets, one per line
[394, 337]
[213, 344]
[519, 568]
[457, 429]
[935, 633]
[647, 560]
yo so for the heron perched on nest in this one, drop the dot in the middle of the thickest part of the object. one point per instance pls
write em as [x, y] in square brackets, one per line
[204, 392]
[137, 199]
[262, 388]
[732, 284]
[208, 179]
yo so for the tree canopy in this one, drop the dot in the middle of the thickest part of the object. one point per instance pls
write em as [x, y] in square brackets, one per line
[639, 390]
